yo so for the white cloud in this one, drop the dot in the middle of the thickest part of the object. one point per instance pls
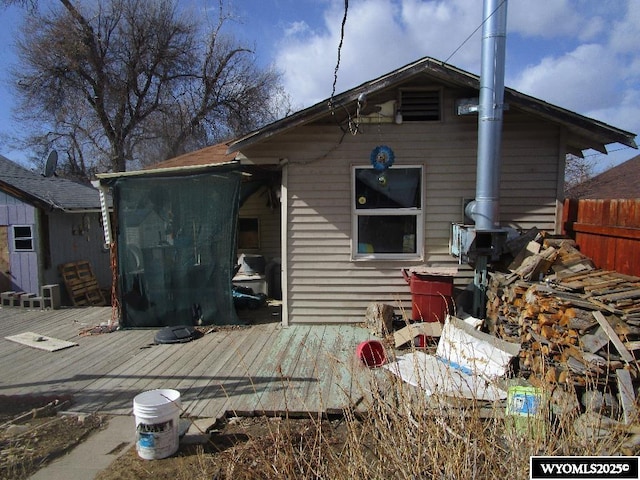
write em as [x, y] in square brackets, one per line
[578, 54]
[625, 33]
[579, 80]
[296, 28]
[548, 19]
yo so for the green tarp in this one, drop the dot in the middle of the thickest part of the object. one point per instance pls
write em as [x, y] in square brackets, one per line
[176, 248]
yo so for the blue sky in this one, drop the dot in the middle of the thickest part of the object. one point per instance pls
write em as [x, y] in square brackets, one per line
[583, 55]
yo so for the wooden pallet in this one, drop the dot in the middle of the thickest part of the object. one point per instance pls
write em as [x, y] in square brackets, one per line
[81, 284]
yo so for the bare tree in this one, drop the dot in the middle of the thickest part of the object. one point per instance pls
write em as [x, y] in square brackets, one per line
[129, 82]
[577, 170]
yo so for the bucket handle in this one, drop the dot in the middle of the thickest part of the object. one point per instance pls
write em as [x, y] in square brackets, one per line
[406, 276]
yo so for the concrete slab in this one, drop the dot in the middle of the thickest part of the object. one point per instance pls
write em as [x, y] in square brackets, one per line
[94, 454]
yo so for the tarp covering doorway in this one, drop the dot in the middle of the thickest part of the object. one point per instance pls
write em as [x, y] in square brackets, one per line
[176, 246]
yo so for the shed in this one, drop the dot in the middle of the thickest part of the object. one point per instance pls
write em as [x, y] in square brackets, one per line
[46, 222]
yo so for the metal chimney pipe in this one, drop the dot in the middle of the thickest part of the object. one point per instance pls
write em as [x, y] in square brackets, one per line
[485, 208]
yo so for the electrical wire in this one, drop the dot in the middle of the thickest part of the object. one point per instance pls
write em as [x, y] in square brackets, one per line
[474, 32]
[335, 71]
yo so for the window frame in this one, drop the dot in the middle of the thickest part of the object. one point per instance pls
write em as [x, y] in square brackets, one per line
[418, 213]
[16, 238]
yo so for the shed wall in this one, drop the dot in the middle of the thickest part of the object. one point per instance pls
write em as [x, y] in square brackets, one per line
[74, 237]
[23, 265]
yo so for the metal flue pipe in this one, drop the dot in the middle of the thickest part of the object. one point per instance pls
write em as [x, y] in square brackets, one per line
[484, 210]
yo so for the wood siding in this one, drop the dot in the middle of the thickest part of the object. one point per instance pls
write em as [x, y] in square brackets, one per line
[74, 237]
[324, 284]
[23, 266]
[257, 206]
[607, 231]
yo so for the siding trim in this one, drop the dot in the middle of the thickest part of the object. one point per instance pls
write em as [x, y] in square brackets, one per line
[284, 242]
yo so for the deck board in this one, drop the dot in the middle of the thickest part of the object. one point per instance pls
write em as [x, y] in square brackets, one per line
[260, 369]
[238, 380]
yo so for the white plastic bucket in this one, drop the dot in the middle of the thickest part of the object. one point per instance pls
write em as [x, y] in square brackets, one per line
[157, 414]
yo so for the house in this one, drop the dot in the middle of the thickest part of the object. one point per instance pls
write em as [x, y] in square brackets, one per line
[369, 183]
[621, 181]
[46, 222]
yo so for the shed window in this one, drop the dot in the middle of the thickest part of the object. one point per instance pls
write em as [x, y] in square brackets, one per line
[22, 238]
[420, 105]
[387, 211]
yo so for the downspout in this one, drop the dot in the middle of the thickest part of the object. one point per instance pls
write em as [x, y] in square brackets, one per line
[484, 210]
[284, 241]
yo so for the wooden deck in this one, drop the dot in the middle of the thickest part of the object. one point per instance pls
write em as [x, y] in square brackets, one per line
[260, 369]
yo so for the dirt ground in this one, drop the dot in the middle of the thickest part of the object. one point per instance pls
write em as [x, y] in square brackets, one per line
[33, 433]
[240, 449]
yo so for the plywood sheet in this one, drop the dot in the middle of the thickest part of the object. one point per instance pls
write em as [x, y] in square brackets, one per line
[41, 342]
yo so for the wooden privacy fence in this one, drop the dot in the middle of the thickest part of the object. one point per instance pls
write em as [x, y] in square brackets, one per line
[607, 231]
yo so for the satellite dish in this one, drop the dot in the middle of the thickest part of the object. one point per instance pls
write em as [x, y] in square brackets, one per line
[51, 164]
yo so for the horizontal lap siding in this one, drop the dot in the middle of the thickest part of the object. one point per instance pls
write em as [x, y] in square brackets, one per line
[325, 285]
[256, 206]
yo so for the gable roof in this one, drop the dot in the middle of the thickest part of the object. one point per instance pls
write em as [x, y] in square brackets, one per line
[583, 132]
[622, 181]
[46, 192]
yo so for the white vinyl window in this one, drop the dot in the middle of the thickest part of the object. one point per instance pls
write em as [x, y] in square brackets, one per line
[22, 238]
[387, 213]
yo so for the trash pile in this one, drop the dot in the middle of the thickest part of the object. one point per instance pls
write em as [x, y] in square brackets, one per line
[578, 326]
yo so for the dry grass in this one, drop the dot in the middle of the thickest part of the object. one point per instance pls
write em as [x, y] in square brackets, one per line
[401, 434]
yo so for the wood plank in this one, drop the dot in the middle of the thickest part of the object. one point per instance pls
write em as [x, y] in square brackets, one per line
[265, 373]
[235, 376]
[278, 397]
[594, 342]
[116, 389]
[309, 367]
[627, 396]
[631, 346]
[345, 363]
[243, 390]
[613, 336]
[218, 348]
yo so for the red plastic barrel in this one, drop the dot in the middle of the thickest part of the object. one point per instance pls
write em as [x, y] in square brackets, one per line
[431, 296]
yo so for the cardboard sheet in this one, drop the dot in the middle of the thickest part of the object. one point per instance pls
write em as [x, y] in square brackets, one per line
[467, 364]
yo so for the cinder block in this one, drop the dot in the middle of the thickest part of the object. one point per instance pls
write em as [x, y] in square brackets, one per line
[7, 298]
[36, 302]
[15, 299]
[50, 296]
[24, 299]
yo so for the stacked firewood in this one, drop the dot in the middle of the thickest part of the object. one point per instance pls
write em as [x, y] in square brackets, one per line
[578, 325]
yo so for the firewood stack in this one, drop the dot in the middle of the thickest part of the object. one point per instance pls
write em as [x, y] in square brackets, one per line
[578, 325]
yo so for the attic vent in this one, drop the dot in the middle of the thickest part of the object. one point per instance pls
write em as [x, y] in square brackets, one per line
[420, 105]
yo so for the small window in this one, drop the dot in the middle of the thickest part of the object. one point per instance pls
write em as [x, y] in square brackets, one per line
[387, 209]
[22, 238]
[248, 234]
[420, 105]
